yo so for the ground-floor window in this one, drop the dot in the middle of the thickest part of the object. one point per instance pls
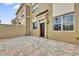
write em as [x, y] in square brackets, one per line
[57, 24]
[34, 25]
[64, 22]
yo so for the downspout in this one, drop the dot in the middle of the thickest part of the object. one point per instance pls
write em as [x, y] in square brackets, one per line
[47, 24]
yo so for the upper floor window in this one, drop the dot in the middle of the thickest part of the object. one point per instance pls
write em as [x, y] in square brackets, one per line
[17, 18]
[34, 7]
[22, 14]
[64, 22]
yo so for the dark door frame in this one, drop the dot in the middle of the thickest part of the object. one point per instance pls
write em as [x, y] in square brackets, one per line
[42, 29]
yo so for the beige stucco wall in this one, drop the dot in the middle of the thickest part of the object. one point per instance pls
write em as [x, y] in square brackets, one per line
[42, 7]
[66, 36]
[50, 33]
[7, 31]
[62, 8]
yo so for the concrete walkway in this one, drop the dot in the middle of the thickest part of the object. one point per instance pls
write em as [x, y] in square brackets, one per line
[34, 46]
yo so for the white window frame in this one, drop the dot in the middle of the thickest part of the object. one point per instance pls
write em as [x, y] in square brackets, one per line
[62, 24]
[53, 26]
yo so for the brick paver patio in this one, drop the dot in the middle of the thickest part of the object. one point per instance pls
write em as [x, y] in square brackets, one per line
[29, 45]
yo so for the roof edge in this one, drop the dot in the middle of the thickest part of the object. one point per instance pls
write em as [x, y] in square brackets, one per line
[19, 8]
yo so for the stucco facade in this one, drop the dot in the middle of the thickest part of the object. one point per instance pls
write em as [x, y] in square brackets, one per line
[45, 13]
[23, 17]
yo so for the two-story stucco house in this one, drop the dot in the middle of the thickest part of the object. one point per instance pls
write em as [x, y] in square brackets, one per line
[58, 21]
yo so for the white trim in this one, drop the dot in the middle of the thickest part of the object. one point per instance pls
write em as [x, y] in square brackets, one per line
[43, 16]
[61, 23]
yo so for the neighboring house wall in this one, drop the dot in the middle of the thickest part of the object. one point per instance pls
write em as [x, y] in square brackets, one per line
[19, 14]
[7, 31]
[24, 17]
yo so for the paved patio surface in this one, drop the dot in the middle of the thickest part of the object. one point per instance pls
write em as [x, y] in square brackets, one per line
[34, 46]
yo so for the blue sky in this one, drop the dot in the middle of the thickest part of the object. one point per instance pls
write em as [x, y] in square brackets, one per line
[7, 12]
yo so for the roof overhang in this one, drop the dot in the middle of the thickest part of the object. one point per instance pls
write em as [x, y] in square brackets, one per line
[42, 13]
